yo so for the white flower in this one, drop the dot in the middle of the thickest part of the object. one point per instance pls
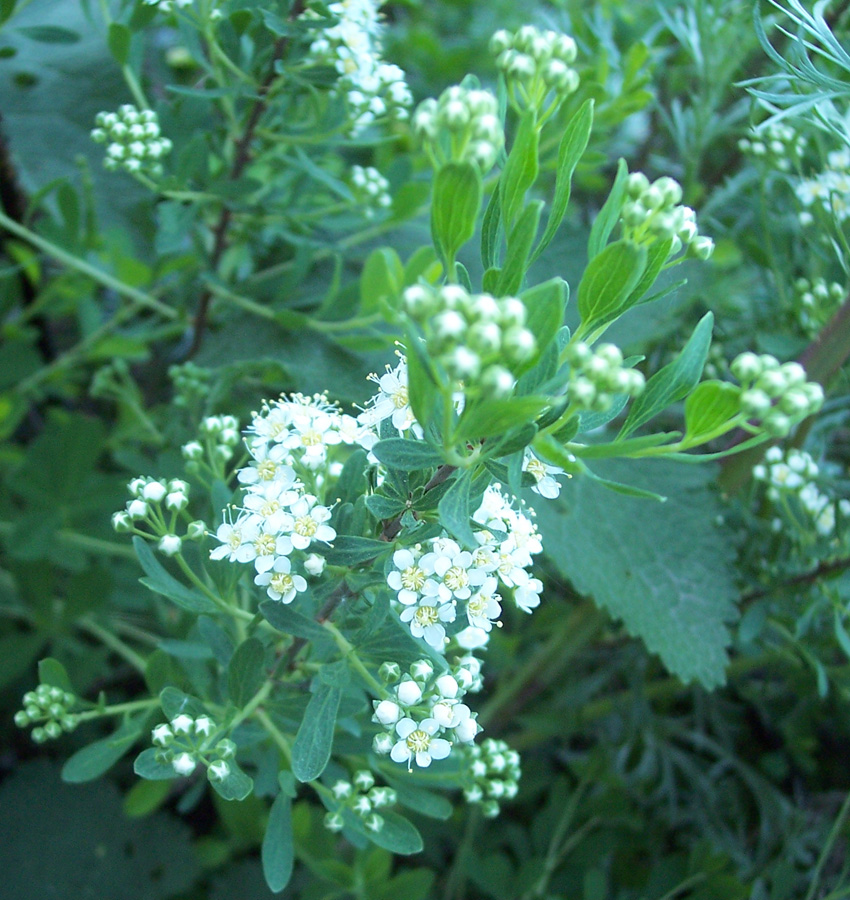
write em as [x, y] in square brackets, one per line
[527, 596]
[455, 569]
[409, 693]
[170, 544]
[418, 744]
[410, 575]
[544, 475]
[309, 523]
[392, 400]
[184, 764]
[182, 724]
[270, 464]
[472, 638]
[426, 619]
[236, 538]
[280, 583]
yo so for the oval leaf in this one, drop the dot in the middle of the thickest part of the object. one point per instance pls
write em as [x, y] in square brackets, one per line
[311, 749]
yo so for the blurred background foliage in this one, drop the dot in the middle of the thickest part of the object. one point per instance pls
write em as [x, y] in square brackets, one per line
[635, 786]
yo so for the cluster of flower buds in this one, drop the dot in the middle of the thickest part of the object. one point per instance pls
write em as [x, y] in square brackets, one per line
[191, 383]
[422, 708]
[652, 212]
[463, 125]
[186, 742]
[370, 189]
[777, 144]
[478, 339]
[363, 797]
[494, 772]
[133, 140]
[792, 474]
[776, 396]
[828, 190]
[220, 436]
[815, 302]
[47, 708]
[157, 503]
[597, 375]
[536, 62]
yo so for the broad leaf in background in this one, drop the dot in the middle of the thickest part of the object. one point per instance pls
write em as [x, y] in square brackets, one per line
[665, 569]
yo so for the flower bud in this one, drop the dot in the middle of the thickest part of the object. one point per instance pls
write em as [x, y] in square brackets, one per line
[225, 749]
[204, 725]
[341, 789]
[184, 764]
[121, 522]
[154, 491]
[387, 712]
[421, 670]
[334, 822]
[374, 823]
[218, 770]
[314, 565]
[409, 693]
[22, 720]
[137, 509]
[364, 780]
[182, 724]
[170, 544]
[466, 730]
[193, 450]
[196, 530]
[389, 672]
[382, 743]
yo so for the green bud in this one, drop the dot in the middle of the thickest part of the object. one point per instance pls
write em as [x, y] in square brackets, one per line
[777, 424]
[22, 720]
[334, 822]
[389, 672]
[39, 735]
[53, 730]
[746, 367]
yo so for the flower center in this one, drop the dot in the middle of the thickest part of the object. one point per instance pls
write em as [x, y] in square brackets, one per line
[281, 582]
[311, 438]
[265, 544]
[269, 508]
[418, 741]
[477, 605]
[266, 469]
[413, 578]
[400, 398]
[427, 615]
[537, 469]
[456, 578]
[306, 526]
[276, 429]
[235, 539]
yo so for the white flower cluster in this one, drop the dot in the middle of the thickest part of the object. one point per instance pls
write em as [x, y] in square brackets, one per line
[363, 798]
[371, 190]
[279, 520]
[792, 474]
[391, 402]
[478, 339]
[48, 706]
[373, 89]
[422, 709]
[597, 375]
[186, 742]
[429, 581]
[653, 212]
[134, 141]
[777, 143]
[537, 62]
[157, 504]
[829, 190]
[775, 396]
[494, 770]
[463, 125]
[220, 436]
[816, 301]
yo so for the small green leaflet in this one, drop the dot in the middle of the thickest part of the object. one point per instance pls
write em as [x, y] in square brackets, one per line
[160, 582]
[711, 405]
[454, 509]
[609, 215]
[246, 672]
[608, 281]
[454, 209]
[311, 749]
[278, 852]
[409, 456]
[92, 761]
[520, 171]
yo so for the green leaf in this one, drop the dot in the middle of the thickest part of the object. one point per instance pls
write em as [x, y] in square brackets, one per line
[609, 215]
[288, 621]
[608, 280]
[666, 570]
[454, 509]
[625, 448]
[145, 797]
[674, 381]
[247, 671]
[7, 7]
[710, 406]
[147, 766]
[278, 851]
[118, 40]
[95, 759]
[627, 490]
[521, 168]
[422, 390]
[351, 551]
[490, 230]
[18, 651]
[398, 835]
[383, 507]
[51, 671]
[454, 210]
[426, 803]
[544, 314]
[485, 418]
[572, 146]
[311, 749]
[381, 279]
[50, 34]
[656, 257]
[174, 702]
[406, 455]
[236, 785]
[160, 582]
[519, 249]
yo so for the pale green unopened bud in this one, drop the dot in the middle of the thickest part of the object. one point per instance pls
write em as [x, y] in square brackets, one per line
[382, 743]
[746, 367]
[22, 720]
[389, 672]
[497, 382]
[53, 730]
[755, 403]
[777, 424]
[334, 822]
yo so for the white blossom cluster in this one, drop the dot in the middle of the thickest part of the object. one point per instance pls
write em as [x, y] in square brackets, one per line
[424, 715]
[373, 89]
[48, 708]
[391, 402]
[463, 125]
[653, 212]
[792, 474]
[815, 302]
[185, 742]
[829, 190]
[776, 396]
[431, 580]
[279, 520]
[363, 797]
[536, 61]
[596, 376]
[220, 436]
[133, 140]
[776, 143]
[157, 504]
[370, 189]
[494, 773]
[478, 339]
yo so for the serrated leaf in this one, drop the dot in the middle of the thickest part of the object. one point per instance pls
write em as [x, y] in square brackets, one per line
[672, 584]
[246, 672]
[92, 761]
[674, 381]
[160, 582]
[278, 853]
[454, 509]
[608, 280]
[709, 406]
[406, 455]
[311, 749]
[348, 550]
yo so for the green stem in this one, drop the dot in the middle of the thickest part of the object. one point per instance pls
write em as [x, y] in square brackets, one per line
[282, 743]
[249, 709]
[222, 604]
[117, 709]
[80, 265]
[83, 541]
[114, 643]
[351, 655]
